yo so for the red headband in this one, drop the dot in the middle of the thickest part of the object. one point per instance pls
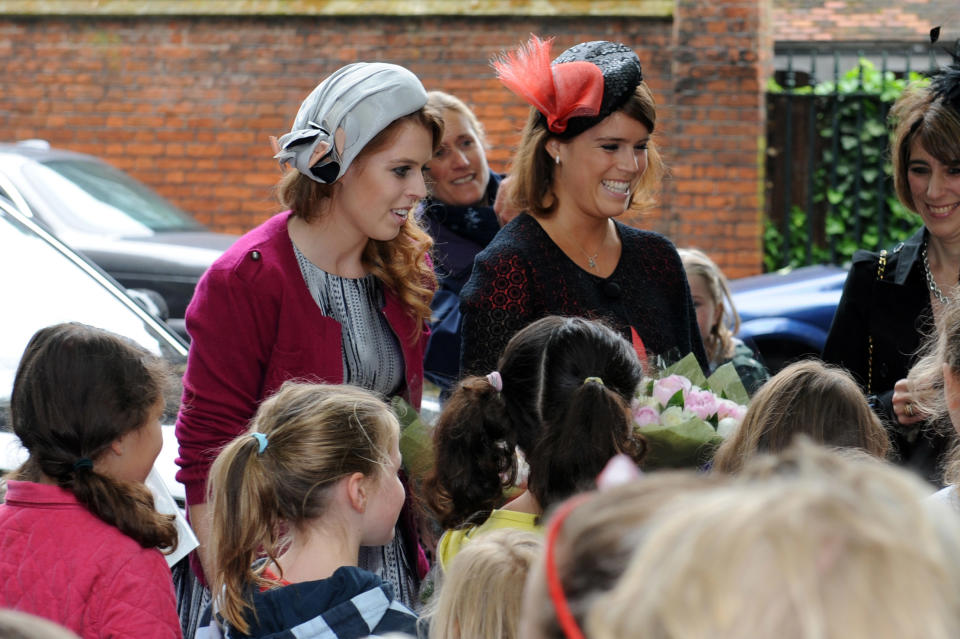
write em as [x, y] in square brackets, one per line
[568, 625]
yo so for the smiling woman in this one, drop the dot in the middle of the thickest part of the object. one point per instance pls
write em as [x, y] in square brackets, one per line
[460, 218]
[335, 289]
[892, 298]
[586, 156]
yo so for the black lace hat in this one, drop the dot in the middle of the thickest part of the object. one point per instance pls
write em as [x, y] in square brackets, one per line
[578, 89]
[621, 75]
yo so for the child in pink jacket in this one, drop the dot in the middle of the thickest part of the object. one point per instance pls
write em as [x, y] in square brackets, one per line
[78, 532]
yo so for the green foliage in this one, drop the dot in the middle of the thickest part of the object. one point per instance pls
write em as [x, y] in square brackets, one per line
[857, 184]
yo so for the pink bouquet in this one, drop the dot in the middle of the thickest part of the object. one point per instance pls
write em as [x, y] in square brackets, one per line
[684, 416]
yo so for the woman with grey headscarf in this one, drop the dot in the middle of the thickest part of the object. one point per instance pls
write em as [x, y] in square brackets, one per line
[335, 289]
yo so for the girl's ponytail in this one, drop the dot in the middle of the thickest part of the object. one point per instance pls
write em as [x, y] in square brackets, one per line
[245, 514]
[594, 426]
[125, 504]
[277, 478]
[475, 455]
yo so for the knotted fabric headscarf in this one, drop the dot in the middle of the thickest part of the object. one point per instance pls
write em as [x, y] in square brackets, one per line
[359, 101]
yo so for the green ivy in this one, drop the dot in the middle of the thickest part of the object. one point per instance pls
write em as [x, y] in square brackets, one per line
[869, 91]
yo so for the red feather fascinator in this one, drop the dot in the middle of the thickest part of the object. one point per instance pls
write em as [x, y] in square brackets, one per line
[559, 92]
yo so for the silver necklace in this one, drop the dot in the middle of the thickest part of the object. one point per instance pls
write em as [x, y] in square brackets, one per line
[932, 283]
[591, 259]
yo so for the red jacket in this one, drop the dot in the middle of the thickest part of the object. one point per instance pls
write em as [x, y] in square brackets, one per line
[60, 562]
[254, 325]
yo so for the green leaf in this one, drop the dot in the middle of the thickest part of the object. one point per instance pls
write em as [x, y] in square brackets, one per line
[689, 367]
[725, 382]
[687, 445]
[834, 197]
[416, 440]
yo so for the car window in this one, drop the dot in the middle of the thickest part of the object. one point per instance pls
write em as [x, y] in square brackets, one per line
[42, 286]
[96, 198]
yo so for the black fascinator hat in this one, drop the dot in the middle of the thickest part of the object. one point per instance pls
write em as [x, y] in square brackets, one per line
[945, 83]
[578, 89]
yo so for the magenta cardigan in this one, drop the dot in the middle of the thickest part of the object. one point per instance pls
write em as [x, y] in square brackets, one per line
[60, 562]
[254, 325]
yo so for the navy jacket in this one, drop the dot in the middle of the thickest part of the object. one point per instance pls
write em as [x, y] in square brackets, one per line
[351, 604]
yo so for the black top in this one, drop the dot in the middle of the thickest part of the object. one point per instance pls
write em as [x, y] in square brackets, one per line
[896, 313]
[459, 233]
[523, 276]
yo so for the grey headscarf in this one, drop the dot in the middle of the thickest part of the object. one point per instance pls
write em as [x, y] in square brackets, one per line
[362, 99]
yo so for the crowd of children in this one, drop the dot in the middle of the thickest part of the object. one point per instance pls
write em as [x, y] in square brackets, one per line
[310, 524]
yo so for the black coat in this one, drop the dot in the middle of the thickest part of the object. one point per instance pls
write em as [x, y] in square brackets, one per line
[896, 312]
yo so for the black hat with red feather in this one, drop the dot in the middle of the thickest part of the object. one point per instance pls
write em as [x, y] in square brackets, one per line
[578, 89]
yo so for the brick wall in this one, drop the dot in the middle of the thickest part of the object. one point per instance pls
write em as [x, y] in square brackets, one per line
[186, 104]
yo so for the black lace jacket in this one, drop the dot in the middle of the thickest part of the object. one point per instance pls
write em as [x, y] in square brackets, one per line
[523, 276]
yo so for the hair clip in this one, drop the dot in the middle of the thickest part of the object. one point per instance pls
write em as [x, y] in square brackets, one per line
[495, 380]
[262, 440]
[587, 380]
[83, 462]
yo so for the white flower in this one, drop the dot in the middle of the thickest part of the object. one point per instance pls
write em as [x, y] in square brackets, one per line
[726, 426]
[673, 416]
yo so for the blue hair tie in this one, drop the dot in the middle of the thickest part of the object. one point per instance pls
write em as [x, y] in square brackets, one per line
[262, 439]
[83, 462]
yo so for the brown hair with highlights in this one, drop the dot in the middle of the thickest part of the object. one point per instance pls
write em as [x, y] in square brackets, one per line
[810, 398]
[533, 168]
[316, 435]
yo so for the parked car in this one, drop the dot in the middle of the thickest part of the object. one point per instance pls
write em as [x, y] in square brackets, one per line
[45, 283]
[787, 315]
[134, 234]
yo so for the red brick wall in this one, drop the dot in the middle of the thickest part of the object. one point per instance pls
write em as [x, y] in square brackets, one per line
[187, 104]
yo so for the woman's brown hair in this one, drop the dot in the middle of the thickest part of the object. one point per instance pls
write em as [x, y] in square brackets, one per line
[918, 115]
[810, 398]
[401, 263]
[533, 168]
[314, 435]
[77, 389]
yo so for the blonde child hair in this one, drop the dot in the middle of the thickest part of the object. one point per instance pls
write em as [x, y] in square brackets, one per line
[719, 344]
[812, 544]
[807, 397]
[272, 482]
[482, 590]
[930, 395]
[595, 535]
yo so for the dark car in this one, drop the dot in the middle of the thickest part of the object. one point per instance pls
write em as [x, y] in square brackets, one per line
[787, 315]
[134, 234]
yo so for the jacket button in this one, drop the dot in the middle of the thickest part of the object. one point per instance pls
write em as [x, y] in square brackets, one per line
[255, 256]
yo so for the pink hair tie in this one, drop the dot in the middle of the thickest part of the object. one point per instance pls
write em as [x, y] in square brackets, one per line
[495, 380]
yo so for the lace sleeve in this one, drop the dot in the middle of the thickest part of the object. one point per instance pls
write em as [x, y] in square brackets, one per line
[495, 304]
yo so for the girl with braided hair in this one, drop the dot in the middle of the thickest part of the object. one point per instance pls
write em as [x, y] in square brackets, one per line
[78, 530]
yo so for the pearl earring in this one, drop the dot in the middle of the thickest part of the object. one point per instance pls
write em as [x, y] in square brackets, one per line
[557, 159]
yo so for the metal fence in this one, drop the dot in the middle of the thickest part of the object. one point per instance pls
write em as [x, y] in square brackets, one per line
[828, 186]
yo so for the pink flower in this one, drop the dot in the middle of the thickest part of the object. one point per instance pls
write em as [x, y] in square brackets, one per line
[664, 389]
[701, 403]
[645, 416]
[729, 408]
